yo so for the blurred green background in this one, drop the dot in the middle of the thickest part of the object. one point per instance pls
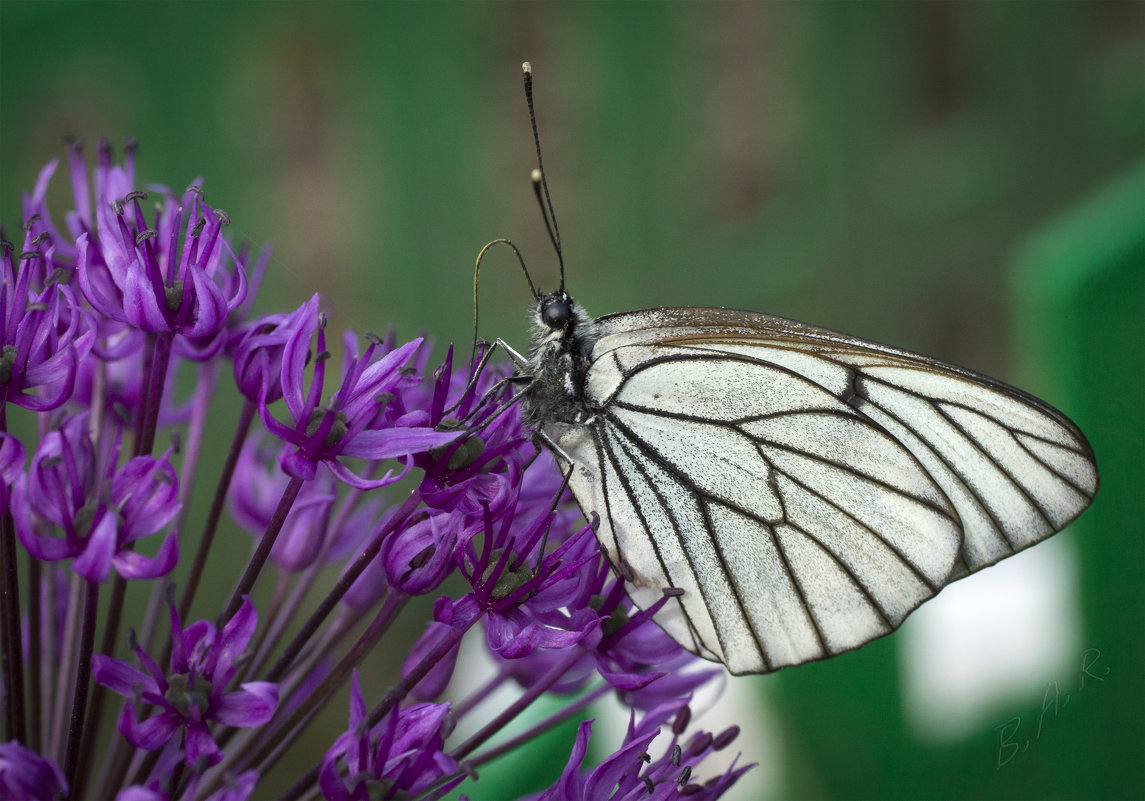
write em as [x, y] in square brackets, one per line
[961, 178]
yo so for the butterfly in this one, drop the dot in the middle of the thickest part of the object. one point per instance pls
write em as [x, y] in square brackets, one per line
[797, 491]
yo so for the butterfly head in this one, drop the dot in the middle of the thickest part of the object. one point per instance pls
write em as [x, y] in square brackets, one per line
[561, 321]
[556, 310]
[563, 337]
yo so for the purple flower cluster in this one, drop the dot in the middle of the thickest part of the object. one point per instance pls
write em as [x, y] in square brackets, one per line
[190, 695]
[105, 313]
[631, 774]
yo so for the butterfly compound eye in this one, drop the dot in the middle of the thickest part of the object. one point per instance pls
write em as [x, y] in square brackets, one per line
[556, 313]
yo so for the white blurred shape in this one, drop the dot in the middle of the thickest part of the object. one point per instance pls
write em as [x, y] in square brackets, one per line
[990, 641]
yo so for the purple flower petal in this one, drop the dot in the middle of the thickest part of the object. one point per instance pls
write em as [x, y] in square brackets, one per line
[253, 705]
[420, 557]
[295, 354]
[132, 565]
[96, 290]
[568, 786]
[190, 645]
[27, 776]
[419, 724]
[211, 307]
[235, 637]
[333, 786]
[42, 179]
[44, 548]
[95, 561]
[349, 477]
[11, 458]
[148, 734]
[389, 443]
[437, 679]
[200, 745]
[609, 773]
[140, 306]
[357, 702]
[376, 377]
[368, 588]
[239, 788]
[258, 358]
[144, 490]
[299, 465]
[59, 369]
[629, 681]
[672, 686]
[121, 677]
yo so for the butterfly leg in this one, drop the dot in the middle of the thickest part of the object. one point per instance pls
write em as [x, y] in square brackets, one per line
[519, 361]
[551, 444]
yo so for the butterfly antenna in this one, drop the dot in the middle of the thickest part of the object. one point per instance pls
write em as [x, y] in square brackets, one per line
[539, 181]
[477, 277]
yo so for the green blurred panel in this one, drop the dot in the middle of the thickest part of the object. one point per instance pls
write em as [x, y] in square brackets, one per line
[1081, 286]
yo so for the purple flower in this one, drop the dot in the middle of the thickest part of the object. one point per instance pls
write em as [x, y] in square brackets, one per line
[169, 278]
[166, 291]
[482, 469]
[27, 776]
[420, 556]
[368, 588]
[43, 333]
[192, 696]
[238, 788]
[56, 252]
[630, 774]
[577, 606]
[100, 509]
[400, 757]
[258, 357]
[437, 679]
[110, 182]
[352, 422]
[503, 581]
[633, 654]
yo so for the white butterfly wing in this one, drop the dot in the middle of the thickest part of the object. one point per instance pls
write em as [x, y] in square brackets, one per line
[807, 490]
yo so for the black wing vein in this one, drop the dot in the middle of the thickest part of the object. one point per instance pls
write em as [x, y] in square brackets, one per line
[652, 454]
[983, 506]
[734, 426]
[606, 447]
[1003, 469]
[687, 550]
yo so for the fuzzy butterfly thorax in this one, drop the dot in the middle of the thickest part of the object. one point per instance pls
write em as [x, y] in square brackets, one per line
[558, 361]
